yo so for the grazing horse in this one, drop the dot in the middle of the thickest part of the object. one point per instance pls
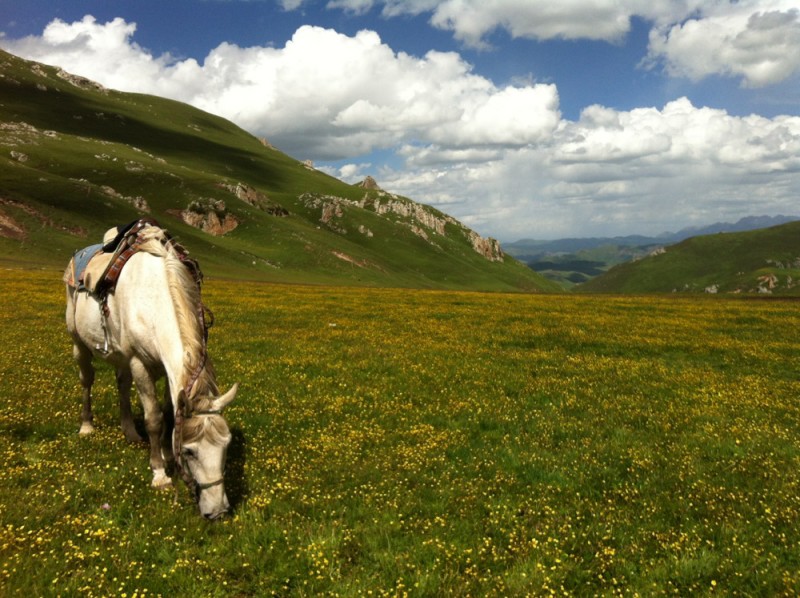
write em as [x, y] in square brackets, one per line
[150, 323]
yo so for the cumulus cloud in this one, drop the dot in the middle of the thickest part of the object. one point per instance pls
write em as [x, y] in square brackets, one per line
[324, 95]
[471, 21]
[757, 40]
[646, 169]
[502, 159]
[86, 47]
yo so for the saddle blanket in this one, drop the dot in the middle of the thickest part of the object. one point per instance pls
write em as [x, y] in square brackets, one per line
[77, 265]
[89, 265]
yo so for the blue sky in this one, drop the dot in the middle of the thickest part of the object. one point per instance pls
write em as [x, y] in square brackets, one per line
[522, 118]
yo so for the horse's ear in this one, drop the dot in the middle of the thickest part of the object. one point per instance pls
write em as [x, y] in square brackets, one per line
[221, 402]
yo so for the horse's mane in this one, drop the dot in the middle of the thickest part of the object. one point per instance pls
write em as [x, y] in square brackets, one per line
[185, 293]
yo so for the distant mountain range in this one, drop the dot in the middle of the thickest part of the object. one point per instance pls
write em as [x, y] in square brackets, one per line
[573, 261]
[762, 261]
[527, 247]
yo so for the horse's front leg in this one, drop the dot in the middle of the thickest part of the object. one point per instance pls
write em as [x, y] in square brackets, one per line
[83, 356]
[124, 380]
[153, 420]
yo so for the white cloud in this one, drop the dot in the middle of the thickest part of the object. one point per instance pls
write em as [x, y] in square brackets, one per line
[290, 4]
[501, 159]
[351, 173]
[612, 171]
[471, 21]
[323, 95]
[353, 6]
[104, 52]
[757, 40]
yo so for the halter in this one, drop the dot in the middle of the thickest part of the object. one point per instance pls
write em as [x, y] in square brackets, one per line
[194, 486]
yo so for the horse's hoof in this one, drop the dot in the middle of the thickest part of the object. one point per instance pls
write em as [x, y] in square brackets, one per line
[134, 438]
[86, 428]
[161, 481]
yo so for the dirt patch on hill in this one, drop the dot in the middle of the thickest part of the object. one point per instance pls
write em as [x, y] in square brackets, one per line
[10, 228]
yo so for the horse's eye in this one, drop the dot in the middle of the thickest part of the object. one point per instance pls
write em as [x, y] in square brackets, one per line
[187, 452]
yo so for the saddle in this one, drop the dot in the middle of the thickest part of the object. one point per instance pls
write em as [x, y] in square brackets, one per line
[96, 269]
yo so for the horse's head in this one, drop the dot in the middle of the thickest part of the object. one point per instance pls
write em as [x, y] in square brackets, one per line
[205, 440]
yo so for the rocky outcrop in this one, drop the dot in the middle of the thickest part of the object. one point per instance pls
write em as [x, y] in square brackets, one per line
[370, 184]
[414, 211]
[19, 133]
[81, 82]
[767, 284]
[330, 212]
[424, 222]
[255, 198]
[487, 247]
[210, 216]
[138, 202]
[210, 223]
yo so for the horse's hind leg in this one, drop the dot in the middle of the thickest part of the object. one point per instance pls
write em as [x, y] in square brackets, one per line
[83, 356]
[124, 381]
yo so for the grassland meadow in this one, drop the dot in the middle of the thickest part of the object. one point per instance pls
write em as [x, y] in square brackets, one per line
[420, 443]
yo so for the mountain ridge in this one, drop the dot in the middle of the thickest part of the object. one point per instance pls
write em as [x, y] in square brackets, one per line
[79, 158]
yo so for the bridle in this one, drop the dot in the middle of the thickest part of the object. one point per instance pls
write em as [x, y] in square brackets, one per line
[205, 319]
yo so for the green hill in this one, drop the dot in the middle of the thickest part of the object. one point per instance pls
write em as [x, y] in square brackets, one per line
[76, 158]
[759, 261]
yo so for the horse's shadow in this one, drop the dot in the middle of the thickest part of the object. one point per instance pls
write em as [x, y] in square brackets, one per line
[236, 484]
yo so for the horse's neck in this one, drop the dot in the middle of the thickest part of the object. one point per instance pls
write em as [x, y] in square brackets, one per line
[153, 323]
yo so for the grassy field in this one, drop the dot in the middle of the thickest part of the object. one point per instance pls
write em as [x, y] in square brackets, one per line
[393, 442]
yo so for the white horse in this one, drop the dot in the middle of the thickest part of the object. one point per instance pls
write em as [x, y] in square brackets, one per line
[153, 326]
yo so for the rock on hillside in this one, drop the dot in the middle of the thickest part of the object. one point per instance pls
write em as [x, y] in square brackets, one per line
[422, 220]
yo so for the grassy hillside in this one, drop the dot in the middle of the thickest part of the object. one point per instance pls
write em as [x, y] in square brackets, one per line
[76, 159]
[760, 261]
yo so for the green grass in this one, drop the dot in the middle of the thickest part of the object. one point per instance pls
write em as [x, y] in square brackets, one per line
[391, 442]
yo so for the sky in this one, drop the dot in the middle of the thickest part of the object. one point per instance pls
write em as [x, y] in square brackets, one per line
[521, 118]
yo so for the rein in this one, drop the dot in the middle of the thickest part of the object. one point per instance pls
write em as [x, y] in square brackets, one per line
[180, 416]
